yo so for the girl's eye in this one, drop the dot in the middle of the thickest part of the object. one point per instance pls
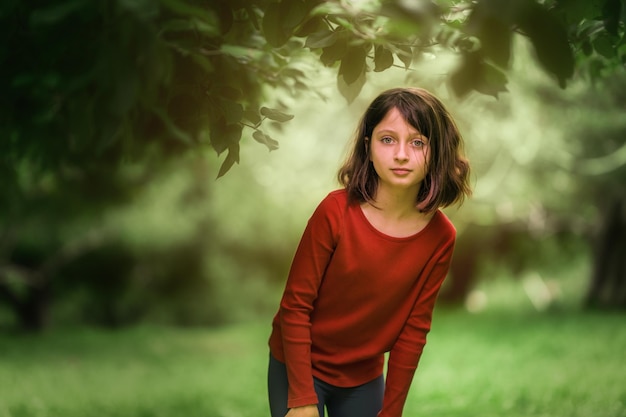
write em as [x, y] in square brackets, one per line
[418, 143]
[386, 140]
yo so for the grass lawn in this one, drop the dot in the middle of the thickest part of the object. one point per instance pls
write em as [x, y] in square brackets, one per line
[483, 365]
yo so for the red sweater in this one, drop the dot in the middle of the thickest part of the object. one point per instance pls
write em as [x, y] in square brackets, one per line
[354, 293]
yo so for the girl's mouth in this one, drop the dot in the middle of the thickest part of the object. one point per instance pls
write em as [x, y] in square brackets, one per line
[400, 171]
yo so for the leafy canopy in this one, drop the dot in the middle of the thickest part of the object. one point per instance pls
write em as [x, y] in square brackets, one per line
[97, 82]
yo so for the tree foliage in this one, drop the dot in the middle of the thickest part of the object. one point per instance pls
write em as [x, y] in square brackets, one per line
[112, 80]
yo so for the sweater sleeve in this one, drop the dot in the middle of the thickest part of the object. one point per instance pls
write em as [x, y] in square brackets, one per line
[407, 350]
[307, 269]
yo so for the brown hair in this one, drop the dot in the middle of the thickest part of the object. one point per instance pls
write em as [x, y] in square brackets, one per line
[447, 177]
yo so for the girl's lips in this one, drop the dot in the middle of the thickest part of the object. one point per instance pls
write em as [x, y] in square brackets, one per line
[400, 171]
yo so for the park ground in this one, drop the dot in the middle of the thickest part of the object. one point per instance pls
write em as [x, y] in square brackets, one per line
[514, 364]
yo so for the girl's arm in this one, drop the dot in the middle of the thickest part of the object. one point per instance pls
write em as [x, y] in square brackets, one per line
[307, 270]
[407, 350]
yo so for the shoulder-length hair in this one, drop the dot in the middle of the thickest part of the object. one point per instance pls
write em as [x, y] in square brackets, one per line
[447, 176]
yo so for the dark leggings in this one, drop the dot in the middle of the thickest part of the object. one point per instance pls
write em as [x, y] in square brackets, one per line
[363, 401]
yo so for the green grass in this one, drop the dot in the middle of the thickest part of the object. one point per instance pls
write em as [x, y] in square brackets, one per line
[569, 365]
[489, 364]
[144, 371]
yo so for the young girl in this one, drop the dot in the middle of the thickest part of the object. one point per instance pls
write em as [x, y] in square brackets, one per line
[370, 263]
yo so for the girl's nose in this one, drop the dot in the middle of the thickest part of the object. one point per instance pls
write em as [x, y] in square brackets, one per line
[401, 153]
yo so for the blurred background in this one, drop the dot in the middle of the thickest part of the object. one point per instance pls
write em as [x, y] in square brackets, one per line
[160, 159]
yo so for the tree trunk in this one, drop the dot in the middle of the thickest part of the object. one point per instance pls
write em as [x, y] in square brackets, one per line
[30, 308]
[607, 289]
[462, 275]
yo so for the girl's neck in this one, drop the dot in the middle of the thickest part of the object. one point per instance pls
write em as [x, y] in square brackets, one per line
[395, 213]
[396, 203]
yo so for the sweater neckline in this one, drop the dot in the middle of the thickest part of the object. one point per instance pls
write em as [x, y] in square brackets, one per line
[370, 226]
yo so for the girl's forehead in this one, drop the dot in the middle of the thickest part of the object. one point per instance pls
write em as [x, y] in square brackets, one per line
[393, 115]
[394, 119]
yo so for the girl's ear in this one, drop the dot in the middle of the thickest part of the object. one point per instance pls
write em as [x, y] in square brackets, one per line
[367, 146]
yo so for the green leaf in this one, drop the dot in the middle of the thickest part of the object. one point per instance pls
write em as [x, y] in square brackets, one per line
[493, 28]
[184, 8]
[549, 39]
[229, 92]
[405, 55]
[233, 111]
[203, 62]
[496, 41]
[321, 39]
[467, 75]
[350, 91]
[476, 74]
[294, 13]
[275, 34]
[572, 12]
[334, 52]
[611, 13]
[225, 16]
[586, 47]
[383, 58]
[265, 140]
[604, 46]
[312, 25]
[252, 116]
[353, 64]
[231, 158]
[275, 115]
[252, 16]
[223, 135]
[494, 81]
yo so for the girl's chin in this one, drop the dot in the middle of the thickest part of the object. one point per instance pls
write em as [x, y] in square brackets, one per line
[400, 185]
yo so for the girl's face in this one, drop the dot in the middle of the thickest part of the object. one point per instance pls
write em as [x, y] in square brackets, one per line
[399, 153]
